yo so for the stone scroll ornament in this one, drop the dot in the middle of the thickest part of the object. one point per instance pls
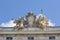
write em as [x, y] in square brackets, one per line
[19, 23]
[41, 26]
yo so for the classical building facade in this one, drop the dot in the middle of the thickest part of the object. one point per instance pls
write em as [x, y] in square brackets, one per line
[30, 28]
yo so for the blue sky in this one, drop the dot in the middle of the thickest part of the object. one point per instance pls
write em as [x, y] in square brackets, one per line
[15, 8]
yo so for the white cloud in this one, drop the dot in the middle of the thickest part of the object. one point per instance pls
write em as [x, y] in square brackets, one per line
[8, 24]
[51, 23]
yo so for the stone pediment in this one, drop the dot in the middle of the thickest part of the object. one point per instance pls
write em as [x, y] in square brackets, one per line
[30, 22]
